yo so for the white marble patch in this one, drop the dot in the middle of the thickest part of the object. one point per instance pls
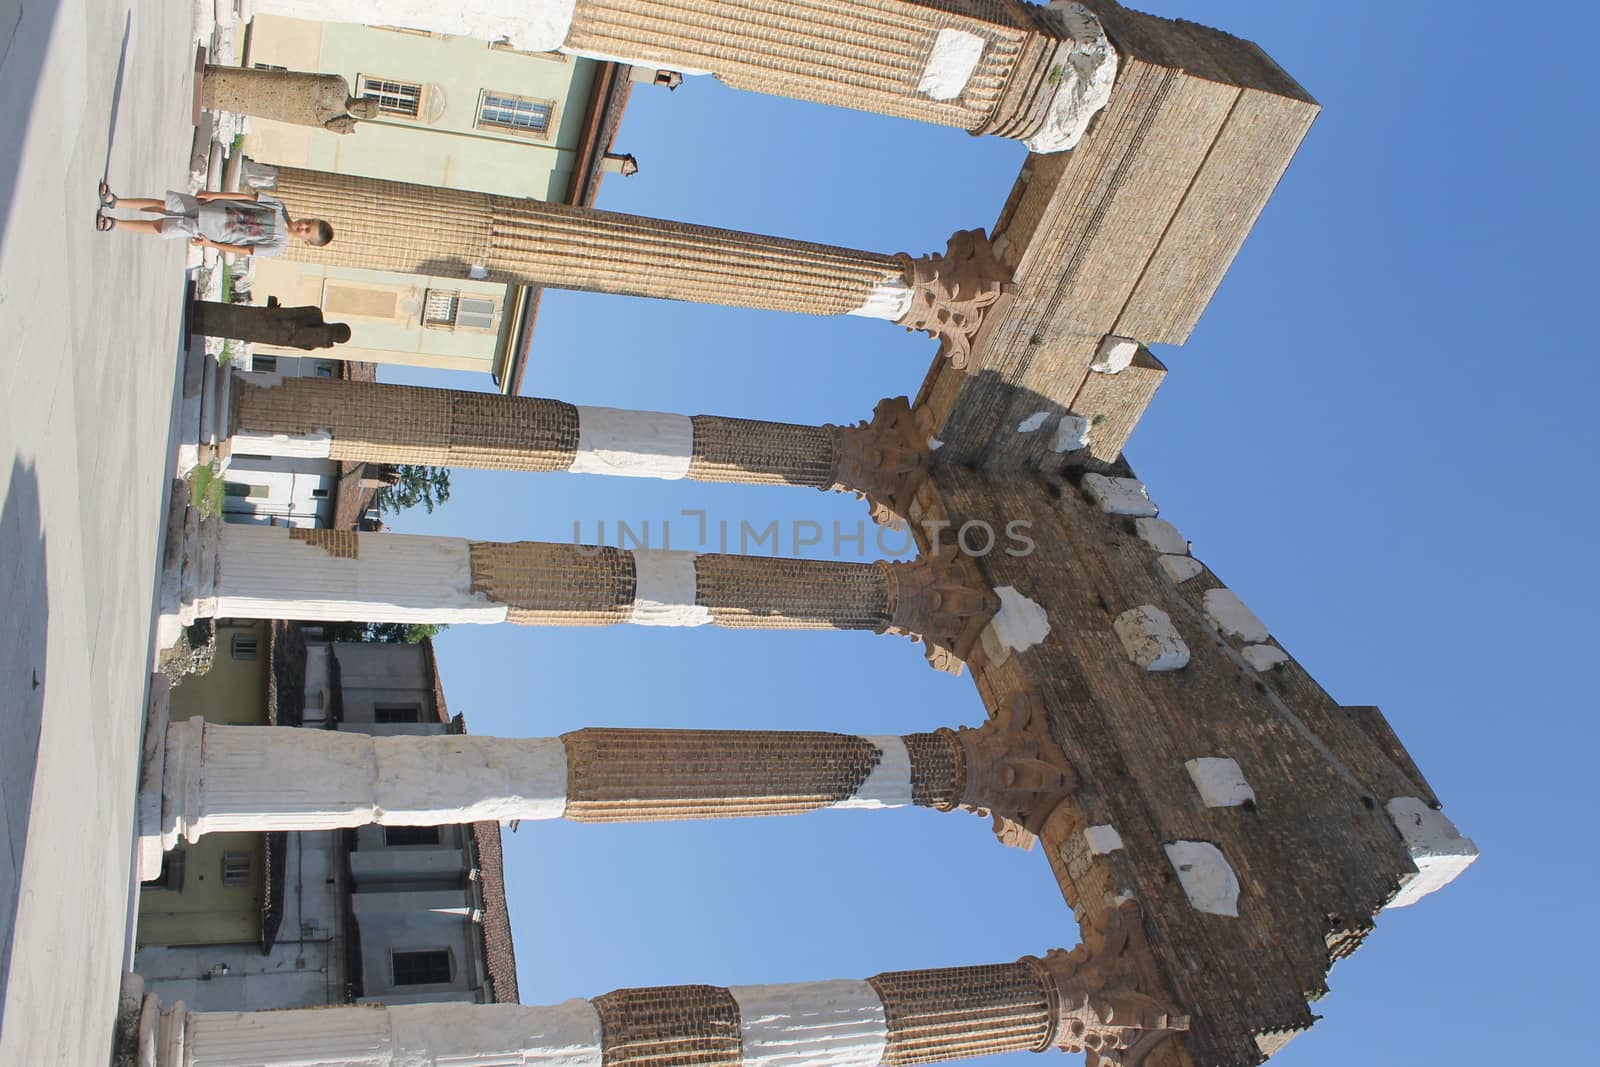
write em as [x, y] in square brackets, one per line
[1150, 639]
[1020, 623]
[1114, 355]
[1119, 496]
[1162, 536]
[635, 444]
[1207, 879]
[1220, 781]
[1180, 568]
[264, 574]
[889, 300]
[1102, 839]
[889, 784]
[1082, 81]
[1436, 847]
[1072, 433]
[954, 57]
[1264, 657]
[1224, 608]
[527, 25]
[315, 445]
[664, 589]
[811, 1024]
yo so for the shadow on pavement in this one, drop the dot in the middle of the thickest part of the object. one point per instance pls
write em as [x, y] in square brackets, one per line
[25, 27]
[116, 95]
[23, 629]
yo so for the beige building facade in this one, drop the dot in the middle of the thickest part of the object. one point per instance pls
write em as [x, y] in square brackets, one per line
[453, 112]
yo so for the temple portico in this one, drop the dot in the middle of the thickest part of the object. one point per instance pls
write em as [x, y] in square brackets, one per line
[1189, 782]
[1096, 999]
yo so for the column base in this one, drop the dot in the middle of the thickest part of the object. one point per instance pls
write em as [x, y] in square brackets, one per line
[152, 773]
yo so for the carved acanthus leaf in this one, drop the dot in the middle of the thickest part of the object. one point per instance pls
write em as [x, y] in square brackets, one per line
[885, 461]
[1103, 1007]
[952, 293]
[943, 601]
[1015, 771]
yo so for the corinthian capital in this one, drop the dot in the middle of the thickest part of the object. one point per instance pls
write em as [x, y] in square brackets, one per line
[943, 601]
[886, 460]
[1015, 771]
[952, 293]
[1104, 1006]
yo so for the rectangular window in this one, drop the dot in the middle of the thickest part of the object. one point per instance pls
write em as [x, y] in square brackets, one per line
[521, 115]
[429, 967]
[411, 835]
[269, 66]
[319, 494]
[394, 97]
[244, 646]
[396, 713]
[264, 364]
[324, 370]
[236, 869]
[246, 490]
[447, 309]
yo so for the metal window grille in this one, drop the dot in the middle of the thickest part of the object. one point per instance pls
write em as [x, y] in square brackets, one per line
[518, 114]
[244, 646]
[236, 869]
[393, 97]
[428, 967]
[475, 314]
[264, 364]
[396, 713]
[411, 835]
[439, 307]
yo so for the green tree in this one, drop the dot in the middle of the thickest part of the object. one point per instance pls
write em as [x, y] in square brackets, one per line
[428, 486]
[394, 633]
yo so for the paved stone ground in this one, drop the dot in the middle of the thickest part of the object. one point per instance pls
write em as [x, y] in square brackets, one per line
[87, 368]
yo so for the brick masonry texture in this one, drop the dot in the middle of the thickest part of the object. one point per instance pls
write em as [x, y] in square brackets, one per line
[1128, 234]
[1315, 856]
[963, 1011]
[639, 775]
[670, 1026]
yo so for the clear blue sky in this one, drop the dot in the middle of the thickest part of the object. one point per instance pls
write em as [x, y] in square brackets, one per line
[1379, 435]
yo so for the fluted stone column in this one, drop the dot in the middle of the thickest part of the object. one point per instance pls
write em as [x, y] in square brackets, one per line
[1037, 74]
[1094, 998]
[417, 229]
[330, 418]
[218, 778]
[266, 572]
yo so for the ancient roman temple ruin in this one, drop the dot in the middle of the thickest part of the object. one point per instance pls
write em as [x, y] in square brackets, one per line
[1195, 793]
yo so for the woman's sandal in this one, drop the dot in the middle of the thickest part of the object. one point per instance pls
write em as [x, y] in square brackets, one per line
[103, 222]
[107, 197]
